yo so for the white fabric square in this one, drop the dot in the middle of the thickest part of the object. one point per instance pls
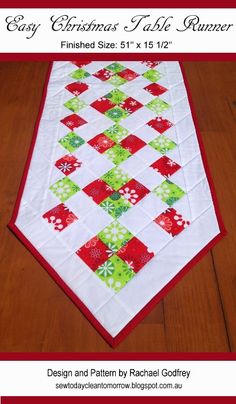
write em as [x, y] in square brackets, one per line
[86, 154]
[148, 154]
[82, 177]
[146, 133]
[150, 178]
[80, 204]
[133, 165]
[73, 267]
[97, 220]
[138, 119]
[75, 235]
[152, 205]
[101, 165]
[154, 237]
[134, 219]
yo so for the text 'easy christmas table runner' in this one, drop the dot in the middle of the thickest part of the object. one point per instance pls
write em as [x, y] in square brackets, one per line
[115, 201]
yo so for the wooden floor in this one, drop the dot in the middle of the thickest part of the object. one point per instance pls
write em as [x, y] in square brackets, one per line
[199, 314]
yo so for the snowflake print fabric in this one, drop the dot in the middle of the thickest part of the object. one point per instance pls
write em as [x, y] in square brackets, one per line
[116, 201]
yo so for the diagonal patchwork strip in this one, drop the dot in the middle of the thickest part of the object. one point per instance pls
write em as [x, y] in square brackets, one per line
[117, 200]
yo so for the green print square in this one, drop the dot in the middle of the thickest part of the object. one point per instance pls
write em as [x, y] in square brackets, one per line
[115, 273]
[117, 154]
[162, 144]
[115, 67]
[116, 114]
[169, 192]
[71, 141]
[152, 75]
[116, 133]
[115, 205]
[116, 234]
[79, 74]
[116, 96]
[116, 178]
[158, 106]
[116, 80]
[75, 104]
[64, 189]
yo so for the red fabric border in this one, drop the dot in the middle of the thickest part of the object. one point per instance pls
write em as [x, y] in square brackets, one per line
[146, 309]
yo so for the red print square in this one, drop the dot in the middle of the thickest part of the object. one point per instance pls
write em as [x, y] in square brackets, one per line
[101, 143]
[103, 74]
[172, 222]
[102, 104]
[77, 88]
[165, 166]
[60, 217]
[135, 254]
[94, 253]
[133, 191]
[73, 121]
[68, 164]
[160, 124]
[81, 63]
[130, 105]
[98, 190]
[132, 143]
[155, 89]
[150, 64]
[128, 74]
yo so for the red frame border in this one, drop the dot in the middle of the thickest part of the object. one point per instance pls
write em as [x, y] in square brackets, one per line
[113, 342]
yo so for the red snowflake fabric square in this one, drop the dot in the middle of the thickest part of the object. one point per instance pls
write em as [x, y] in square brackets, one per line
[81, 63]
[60, 217]
[77, 88]
[73, 121]
[172, 222]
[94, 253]
[101, 143]
[102, 104]
[133, 191]
[155, 89]
[165, 166]
[132, 143]
[68, 164]
[150, 64]
[103, 74]
[128, 74]
[135, 254]
[160, 124]
[130, 105]
[98, 190]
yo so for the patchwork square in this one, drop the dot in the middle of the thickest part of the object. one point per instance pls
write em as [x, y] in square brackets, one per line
[115, 205]
[101, 143]
[162, 144]
[116, 133]
[75, 104]
[116, 177]
[79, 74]
[117, 114]
[169, 192]
[115, 273]
[103, 104]
[135, 254]
[152, 75]
[128, 74]
[130, 105]
[64, 189]
[115, 67]
[165, 166]
[133, 191]
[94, 253]
[73, 121]
[68, 164]
[132, 143]
[160, 124]
[172, 222]
[81, 63]
[158, 106]
[98, 190]
[155, 89]
[117, 154]
[60, 217]
[115, 235]
[151, 64]
[77, 88]
[116, 96]
[103, 74]
[116, 80]
[71, 141]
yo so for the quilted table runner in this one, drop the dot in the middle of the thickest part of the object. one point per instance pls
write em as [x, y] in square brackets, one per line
[115, 200]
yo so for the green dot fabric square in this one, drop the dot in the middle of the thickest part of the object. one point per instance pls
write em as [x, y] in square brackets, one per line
[116, 114]
[116, 178]
[116, 234]
[152, 75]
[64, 189]
[79, 74]
[116, 133]
[115, 273]
[169, 192]
[116, 96]
[71, 141]
[158, 106]
[117, 154]
[162, 144]
[116, 80]
[116, 205]
[115, 67]
[75, 104]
